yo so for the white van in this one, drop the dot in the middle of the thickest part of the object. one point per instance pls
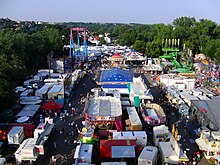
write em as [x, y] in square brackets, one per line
[148, 156]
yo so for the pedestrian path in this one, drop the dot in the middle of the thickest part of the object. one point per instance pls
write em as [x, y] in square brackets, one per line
[61, 144]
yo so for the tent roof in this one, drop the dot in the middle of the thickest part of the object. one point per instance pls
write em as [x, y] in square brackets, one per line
[116, 75]
[104, 106]
[116, 56]
[51, 105]
[134, 53]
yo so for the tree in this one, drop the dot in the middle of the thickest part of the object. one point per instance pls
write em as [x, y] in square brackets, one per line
[153, 49]
[140, 46]
[212, 48]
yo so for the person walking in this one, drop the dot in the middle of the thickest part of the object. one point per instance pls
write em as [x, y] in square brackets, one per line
[55, 145]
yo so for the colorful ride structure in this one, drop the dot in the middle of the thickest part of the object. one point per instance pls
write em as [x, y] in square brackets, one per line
[177, 66]
[75, 49]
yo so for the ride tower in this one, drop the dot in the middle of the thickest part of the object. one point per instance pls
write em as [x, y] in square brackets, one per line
[75, 52]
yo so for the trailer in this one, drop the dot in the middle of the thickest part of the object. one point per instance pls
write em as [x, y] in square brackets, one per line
[106, 146]
[16, 135]
[169, 151]
[139, 136]
[26, 151]
[83, 153]
[160, 133]
[148, 156]
[134, 120]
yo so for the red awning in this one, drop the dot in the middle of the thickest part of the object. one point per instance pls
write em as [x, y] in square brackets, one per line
[51, 105]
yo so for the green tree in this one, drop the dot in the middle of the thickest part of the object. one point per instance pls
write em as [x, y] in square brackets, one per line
[140, 46]
[153, 49]
[212, 48]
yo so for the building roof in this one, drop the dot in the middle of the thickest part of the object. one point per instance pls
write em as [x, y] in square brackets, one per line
[116, 75]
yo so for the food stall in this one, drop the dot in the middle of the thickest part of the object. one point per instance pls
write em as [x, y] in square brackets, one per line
[104, 112]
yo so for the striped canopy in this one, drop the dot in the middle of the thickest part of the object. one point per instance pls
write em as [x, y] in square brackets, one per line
[133, 53]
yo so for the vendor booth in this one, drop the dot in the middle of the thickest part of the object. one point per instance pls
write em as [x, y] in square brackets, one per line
[52, 107]
[104, 112]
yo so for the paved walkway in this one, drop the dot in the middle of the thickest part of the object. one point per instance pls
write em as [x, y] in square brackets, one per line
[65, 145]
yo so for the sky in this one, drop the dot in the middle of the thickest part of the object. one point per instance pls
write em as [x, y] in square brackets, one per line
[109, 11]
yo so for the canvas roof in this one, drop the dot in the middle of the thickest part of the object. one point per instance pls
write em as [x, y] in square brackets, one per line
[116, 75]
[51, 105]
[104, 106]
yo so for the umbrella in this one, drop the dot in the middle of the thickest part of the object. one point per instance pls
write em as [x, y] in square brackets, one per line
[22, 119]
[205, 62]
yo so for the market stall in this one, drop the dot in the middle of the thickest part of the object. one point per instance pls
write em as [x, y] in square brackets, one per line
[104, 112]
[52, 107]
